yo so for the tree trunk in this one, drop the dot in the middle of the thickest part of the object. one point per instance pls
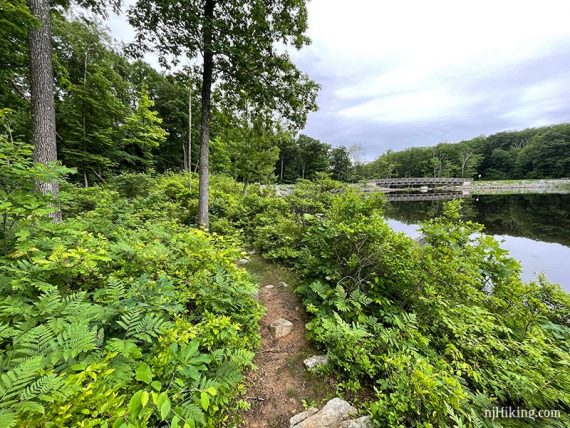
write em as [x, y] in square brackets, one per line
[42, 96]
[189, 166]
[203, 218]
[84, 119]
[281, 169]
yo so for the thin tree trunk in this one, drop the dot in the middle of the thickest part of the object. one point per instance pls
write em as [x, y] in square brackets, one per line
[42, 96]
[203, 191]
[84, 119]
[99, 176]
[189, 168]
[281, 170]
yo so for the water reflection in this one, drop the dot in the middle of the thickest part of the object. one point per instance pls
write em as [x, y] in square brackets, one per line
[534, 228]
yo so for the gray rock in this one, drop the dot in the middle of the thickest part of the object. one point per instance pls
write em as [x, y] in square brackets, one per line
[316, 361]
[242, 262]
[283, 284]
[362, 422]
[421, 240]
[299, 417]
[281, 328]
[330, 416]
[269, 287]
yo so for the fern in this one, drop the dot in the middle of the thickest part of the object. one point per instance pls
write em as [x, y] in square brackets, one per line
[359, 300]
[126, 348]
[6, 331]
[76, 339]
[43, 385]
[14, 382]
[141, 327]
[319, 289]
[191, 411]
[8, 419]
[49, 302]
[11, 307]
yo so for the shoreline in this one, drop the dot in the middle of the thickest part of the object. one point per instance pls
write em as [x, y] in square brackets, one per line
[518, 186]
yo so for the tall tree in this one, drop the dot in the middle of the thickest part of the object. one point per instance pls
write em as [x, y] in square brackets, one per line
[142, 134]
[93, 97]
[313, 156]
[237, 44]
[42, 86]
[42, 95]
[340, 163]
[15, 21]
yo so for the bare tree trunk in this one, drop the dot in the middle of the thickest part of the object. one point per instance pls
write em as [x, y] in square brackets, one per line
[203, 191]
[42, 96]
[466, 157]
[84, 119]
[189, 167]
[281, 169]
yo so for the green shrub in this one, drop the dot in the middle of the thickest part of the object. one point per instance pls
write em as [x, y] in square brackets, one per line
[121, 315]
[440, 331]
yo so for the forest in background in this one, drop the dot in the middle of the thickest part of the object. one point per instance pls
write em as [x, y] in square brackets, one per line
[105, 100]
[532, 153]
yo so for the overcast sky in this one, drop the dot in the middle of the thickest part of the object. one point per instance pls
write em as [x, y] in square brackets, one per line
[403, 73]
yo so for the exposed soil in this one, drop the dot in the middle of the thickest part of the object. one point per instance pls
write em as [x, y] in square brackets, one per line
[280, 384]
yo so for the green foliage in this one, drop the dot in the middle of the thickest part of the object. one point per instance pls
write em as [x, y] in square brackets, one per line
[120, 312]
[341, 163]
[437, 332]
[177, 28]
[143, 133]
[19, 203]
[15, 20]
[93, 97]
[531, 153]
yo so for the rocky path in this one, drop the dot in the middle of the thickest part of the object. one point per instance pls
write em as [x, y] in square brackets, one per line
[280, 385]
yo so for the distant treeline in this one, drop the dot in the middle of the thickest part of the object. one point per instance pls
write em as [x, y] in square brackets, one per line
[531, 153]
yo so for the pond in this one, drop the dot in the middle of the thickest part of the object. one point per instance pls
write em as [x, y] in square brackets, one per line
[535, 228]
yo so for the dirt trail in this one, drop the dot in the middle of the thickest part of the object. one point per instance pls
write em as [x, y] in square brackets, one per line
[277, 388]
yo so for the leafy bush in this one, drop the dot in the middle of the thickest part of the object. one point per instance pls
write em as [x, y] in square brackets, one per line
[439, 331]
[121, 315]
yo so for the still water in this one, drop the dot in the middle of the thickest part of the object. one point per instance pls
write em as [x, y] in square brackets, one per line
[534, 228]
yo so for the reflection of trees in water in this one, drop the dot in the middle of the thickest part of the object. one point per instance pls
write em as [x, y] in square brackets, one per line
[543, 217]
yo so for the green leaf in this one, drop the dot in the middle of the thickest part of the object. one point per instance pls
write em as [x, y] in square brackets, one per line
[135, 403]
[174, 423]
[144, 398]
[144, 373]
[204, 400]
[165, 409]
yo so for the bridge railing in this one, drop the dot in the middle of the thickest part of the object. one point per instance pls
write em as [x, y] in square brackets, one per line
[418, 181]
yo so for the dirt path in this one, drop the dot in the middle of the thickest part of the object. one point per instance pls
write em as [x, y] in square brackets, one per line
[277, 388]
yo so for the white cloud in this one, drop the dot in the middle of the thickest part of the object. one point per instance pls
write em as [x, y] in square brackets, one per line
[537, 102]
[405, 107]
[415, 60]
